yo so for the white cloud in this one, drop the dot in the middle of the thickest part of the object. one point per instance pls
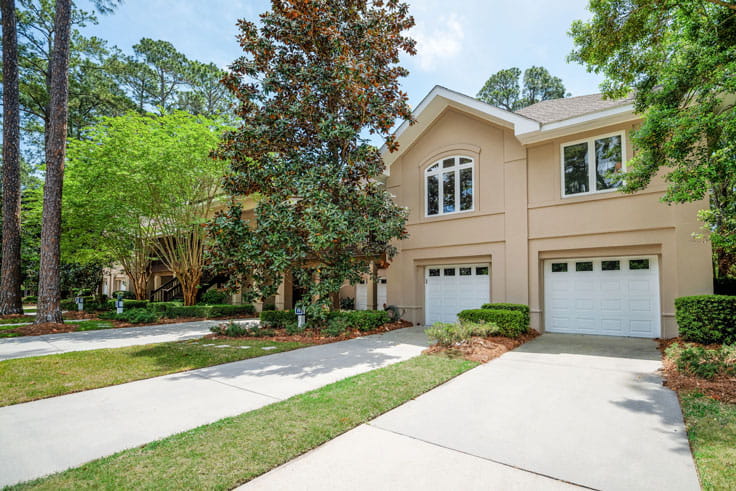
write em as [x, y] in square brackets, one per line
[438, 41]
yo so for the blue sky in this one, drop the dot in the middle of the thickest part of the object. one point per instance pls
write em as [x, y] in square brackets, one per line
[460, 42]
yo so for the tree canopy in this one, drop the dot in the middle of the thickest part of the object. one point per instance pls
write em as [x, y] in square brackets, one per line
[678, 57]
[142, 186]
[316, 77]
[503, 89]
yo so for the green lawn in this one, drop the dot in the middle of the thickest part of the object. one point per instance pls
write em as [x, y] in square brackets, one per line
[232, 451]
[18, 320]
[711, 428]
[26, 379]
[87, 325]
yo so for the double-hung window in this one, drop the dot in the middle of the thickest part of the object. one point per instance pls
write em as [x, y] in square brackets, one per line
[448, 186]
[590, 166]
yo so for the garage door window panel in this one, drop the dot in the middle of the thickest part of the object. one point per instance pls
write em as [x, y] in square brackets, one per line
[449, 186]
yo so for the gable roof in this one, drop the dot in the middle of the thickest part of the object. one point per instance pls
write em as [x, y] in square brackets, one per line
[538, 122]
[560, 109]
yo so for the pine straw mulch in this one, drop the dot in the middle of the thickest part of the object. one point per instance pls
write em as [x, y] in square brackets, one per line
[311, 336]
[482, 350]
[721, 388]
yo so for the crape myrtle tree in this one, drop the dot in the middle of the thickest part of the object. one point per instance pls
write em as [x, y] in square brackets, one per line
[317, 77]
[678, 57]
[142, 186]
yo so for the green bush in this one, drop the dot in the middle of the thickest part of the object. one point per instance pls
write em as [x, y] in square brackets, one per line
[277, 319]
[268, 306]
[134, 316]
[293, 328]
[127, 304]
[126, 294]
[347, 303]
[363, 320]
[451, 334]
[524, 309]
[68, 304]
[336, 326]
[214, 297]
[30, 299]
[703, 362]
[224, 310]
[707, 319]
[188, 311]
[510, 323]
[231, 329]
[162, 308]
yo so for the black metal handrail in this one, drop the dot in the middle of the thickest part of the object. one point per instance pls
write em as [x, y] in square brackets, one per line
[171, 290]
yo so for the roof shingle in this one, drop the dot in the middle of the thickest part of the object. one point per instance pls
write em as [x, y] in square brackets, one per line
[560, 109]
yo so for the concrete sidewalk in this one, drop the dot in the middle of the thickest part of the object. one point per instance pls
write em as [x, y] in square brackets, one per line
[45, 436]
[561, 411]
[50, 344]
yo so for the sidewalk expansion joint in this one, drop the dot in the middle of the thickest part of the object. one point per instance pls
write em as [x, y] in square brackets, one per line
[547, 476]
[236, 387]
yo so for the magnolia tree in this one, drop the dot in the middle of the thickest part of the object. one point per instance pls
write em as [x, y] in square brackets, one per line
[316, 78]
[143, 186]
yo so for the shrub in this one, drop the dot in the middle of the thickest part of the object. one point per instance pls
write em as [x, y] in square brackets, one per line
[518, 307]
[68, 304]
[214, 297]
[126, 294]
[30, 299]
[268, 306]
[127, 304]
[347, 303]
[189, 311]
[707, 319]
[363, 320]
[231, 329]
[277, 319]
[134, 316]
[510, 323]
[293, 328]
[336, 326]
[450, 334]
[703, 362]
[226, 310]
[162, 308]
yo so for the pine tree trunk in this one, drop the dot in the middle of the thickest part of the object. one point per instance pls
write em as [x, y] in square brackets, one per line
[11, 300]
[49, 309]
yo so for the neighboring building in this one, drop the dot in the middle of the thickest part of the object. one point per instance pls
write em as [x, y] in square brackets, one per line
[520, 207]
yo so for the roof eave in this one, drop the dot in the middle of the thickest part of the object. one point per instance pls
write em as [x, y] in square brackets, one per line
[615, 115]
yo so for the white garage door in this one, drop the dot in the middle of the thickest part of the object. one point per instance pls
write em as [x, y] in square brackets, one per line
[361, 294]
[617, 296]
[452, 288]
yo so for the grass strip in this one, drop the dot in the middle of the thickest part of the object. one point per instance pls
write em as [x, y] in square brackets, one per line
[234, 450]
[27, 379]
[711, 428]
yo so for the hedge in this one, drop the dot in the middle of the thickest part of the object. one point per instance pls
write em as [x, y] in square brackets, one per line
[363, 320]
[511, 323]
[524, 309]
[162, 308]
[277, 319]
[210, 310]
[707, 319]
[128, 304]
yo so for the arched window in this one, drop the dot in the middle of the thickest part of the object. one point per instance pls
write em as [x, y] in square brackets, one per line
[448, 186]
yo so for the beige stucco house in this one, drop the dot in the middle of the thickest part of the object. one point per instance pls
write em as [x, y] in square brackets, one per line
[520, 207]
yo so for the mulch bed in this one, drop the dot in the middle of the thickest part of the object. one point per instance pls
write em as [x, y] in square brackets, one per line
[482, 350]
[721, 388]
[315, 337]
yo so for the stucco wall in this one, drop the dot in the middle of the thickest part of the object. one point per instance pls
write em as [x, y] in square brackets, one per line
[520, 219]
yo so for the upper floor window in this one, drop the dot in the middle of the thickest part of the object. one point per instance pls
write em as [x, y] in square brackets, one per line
[590, 166]
[448, 186]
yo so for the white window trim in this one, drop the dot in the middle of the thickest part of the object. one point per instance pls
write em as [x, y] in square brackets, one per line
[591, 163]
[456, 168]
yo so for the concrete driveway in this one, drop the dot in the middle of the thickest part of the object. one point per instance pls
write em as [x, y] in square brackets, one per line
[562, 411]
